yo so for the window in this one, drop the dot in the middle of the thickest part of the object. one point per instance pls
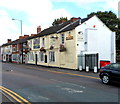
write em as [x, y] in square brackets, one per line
[30, 44]
[115, 66]
[62, 38]
[31, 56]
[43, 42]
[14, 49]
[41, 56]
[36, 43]
[15, 57]
[52, 56]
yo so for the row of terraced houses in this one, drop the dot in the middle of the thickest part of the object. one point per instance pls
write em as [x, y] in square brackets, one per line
[70, 44]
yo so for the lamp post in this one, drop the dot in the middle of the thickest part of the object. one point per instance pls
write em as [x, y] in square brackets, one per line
[20, 24]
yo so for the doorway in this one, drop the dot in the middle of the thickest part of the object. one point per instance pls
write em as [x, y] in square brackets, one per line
[45, 58]
[35, 59]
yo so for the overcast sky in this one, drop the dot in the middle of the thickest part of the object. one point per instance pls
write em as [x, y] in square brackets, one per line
[43, 12]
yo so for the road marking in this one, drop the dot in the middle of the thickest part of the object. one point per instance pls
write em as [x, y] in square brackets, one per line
[64, 73]
[12, 96]
[70, 90]
[68, 83]
[11, 93]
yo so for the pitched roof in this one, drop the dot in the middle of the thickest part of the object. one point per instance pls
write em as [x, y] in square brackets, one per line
[66, 26]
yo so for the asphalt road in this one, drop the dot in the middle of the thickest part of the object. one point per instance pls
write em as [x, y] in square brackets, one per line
[41, 84]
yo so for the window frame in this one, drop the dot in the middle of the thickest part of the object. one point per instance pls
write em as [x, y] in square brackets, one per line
[41, 57]
[51, 56]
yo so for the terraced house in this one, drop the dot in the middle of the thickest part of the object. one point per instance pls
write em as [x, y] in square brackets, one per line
[71, 44]
[77, 42]
[15, 51]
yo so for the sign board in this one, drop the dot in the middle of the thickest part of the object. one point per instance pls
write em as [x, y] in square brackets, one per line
[80, 37]
[69, 37]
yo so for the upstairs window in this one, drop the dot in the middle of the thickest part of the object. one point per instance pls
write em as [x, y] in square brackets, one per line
[36, 43]
[43, 42]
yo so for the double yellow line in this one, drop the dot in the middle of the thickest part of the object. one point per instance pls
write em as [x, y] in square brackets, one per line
[14, 95]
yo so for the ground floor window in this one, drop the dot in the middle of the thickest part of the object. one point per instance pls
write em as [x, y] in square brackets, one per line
[41, 57]
[15, 57]
[31, 56]
[52, 56]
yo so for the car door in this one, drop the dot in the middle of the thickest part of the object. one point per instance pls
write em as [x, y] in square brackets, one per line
[115, 72]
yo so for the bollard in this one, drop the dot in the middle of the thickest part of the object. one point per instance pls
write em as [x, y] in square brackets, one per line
[95, 69]
[87, 68]
[80, 68]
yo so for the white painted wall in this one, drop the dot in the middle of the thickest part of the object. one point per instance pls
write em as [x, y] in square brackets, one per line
[100, 39]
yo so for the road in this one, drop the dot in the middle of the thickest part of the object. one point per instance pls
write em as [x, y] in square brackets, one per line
[41, 84]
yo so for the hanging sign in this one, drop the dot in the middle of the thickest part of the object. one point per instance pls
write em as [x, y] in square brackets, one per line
[69, 37]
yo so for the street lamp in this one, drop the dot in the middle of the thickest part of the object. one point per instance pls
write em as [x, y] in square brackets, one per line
[20, 24]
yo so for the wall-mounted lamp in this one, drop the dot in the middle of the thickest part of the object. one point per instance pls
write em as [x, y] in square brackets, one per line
[53, 37]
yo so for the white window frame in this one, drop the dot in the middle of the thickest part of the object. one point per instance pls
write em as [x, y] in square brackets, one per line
[41, 57]
[31, 56]
[13, 57]
[34, 43]
[43, 42]
[51, 56]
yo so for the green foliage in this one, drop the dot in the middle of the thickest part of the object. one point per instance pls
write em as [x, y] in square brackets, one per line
[59, 20]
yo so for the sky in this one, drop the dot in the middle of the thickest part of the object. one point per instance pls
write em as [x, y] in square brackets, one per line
[42, 13]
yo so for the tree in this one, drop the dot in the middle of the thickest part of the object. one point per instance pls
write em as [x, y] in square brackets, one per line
[59, 20]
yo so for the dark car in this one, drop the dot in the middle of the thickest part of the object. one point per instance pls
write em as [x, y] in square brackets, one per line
[110, 73]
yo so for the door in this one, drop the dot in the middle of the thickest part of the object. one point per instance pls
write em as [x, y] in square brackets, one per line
[115, 71]
[45, 58]
[35, 59]
[91, 60]
[10, 58]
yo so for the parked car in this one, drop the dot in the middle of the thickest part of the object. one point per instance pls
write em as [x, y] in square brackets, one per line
[109, 73]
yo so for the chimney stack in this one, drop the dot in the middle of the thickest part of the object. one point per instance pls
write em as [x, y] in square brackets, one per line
[9, 40]
[21, 37]
[33, 34]
[38, 29]
[74, 19]
[25, 36]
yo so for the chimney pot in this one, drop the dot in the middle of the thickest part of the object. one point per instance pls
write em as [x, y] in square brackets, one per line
[38, 29]
[25, 36]
[9, 40]
[21, 37]
[33, 34]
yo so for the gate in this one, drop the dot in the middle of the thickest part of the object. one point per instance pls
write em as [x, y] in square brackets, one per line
[91, 60]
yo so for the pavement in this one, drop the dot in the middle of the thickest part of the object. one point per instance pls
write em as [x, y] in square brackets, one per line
[83, 72]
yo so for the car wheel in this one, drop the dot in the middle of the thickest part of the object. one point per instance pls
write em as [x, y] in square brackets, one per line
[105, 79]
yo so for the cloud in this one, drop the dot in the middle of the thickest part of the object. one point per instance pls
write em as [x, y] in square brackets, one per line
[113, 4]
[31, 12]
[7, 27]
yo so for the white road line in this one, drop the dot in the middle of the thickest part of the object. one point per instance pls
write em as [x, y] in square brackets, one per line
[68, 83]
